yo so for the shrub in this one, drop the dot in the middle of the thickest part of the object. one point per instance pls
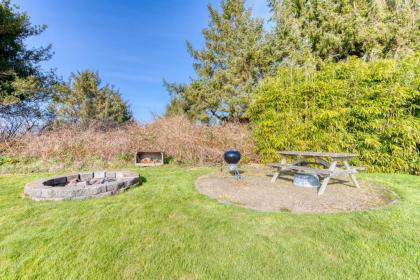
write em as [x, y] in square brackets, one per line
[370, 108]
[7, 160]
[181, 140]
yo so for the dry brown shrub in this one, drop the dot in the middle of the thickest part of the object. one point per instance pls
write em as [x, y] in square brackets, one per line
[178, 137]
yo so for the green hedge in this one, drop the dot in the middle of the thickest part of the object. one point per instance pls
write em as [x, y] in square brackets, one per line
[370, 108]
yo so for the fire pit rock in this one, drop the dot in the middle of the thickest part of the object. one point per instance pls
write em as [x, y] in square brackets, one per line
[81, 186]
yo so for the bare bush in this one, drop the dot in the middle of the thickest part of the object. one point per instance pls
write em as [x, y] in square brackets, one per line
[179, 138]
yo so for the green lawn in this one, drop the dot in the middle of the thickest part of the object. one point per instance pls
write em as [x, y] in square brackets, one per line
[166, 230]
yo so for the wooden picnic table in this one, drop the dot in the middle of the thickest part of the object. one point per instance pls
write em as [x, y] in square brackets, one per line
[329, 161]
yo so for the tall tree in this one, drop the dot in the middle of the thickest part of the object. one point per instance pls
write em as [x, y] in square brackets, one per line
[310, 31]
[82, 100]
[24, 86]
[228, 68]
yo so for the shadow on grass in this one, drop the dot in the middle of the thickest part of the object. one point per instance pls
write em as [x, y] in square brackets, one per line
[142, 180]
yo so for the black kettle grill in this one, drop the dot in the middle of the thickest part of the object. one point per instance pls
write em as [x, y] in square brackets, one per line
[232, 157]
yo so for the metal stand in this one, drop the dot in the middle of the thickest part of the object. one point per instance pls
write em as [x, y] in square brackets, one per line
[233, 168]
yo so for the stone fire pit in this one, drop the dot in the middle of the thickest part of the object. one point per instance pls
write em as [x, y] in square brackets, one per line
[81, 186]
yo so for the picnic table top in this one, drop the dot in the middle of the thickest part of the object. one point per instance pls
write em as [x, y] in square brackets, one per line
[317, 154]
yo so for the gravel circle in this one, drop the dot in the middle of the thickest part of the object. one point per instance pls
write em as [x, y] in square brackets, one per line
[257, 192]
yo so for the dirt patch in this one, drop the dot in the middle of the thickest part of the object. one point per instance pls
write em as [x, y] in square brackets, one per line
[257, 192]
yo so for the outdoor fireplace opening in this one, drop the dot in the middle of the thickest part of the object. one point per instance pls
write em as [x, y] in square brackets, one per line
[149, 158]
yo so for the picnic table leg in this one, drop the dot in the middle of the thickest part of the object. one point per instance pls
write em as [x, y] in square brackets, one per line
[352, 177]
[327, 178]
[276, 175]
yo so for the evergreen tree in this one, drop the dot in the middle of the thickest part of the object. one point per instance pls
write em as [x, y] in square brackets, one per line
[228, 68]
[24, 87]
[83, 100]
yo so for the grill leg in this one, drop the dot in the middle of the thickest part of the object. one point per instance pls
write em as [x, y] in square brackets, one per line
[238, 175]
[233, 168]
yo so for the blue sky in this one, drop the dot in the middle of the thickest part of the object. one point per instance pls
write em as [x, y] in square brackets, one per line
[133, 45]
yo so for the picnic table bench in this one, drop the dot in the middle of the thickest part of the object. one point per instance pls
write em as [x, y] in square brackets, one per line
[328, 160]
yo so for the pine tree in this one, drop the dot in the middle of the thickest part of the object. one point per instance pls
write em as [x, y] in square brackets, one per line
[234, 59]
[238, 52]
[83, 100]
[24, 86]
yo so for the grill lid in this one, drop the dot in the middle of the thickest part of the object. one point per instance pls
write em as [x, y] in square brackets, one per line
[232, 156]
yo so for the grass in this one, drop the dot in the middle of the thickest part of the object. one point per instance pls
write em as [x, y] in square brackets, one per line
[166, 230]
